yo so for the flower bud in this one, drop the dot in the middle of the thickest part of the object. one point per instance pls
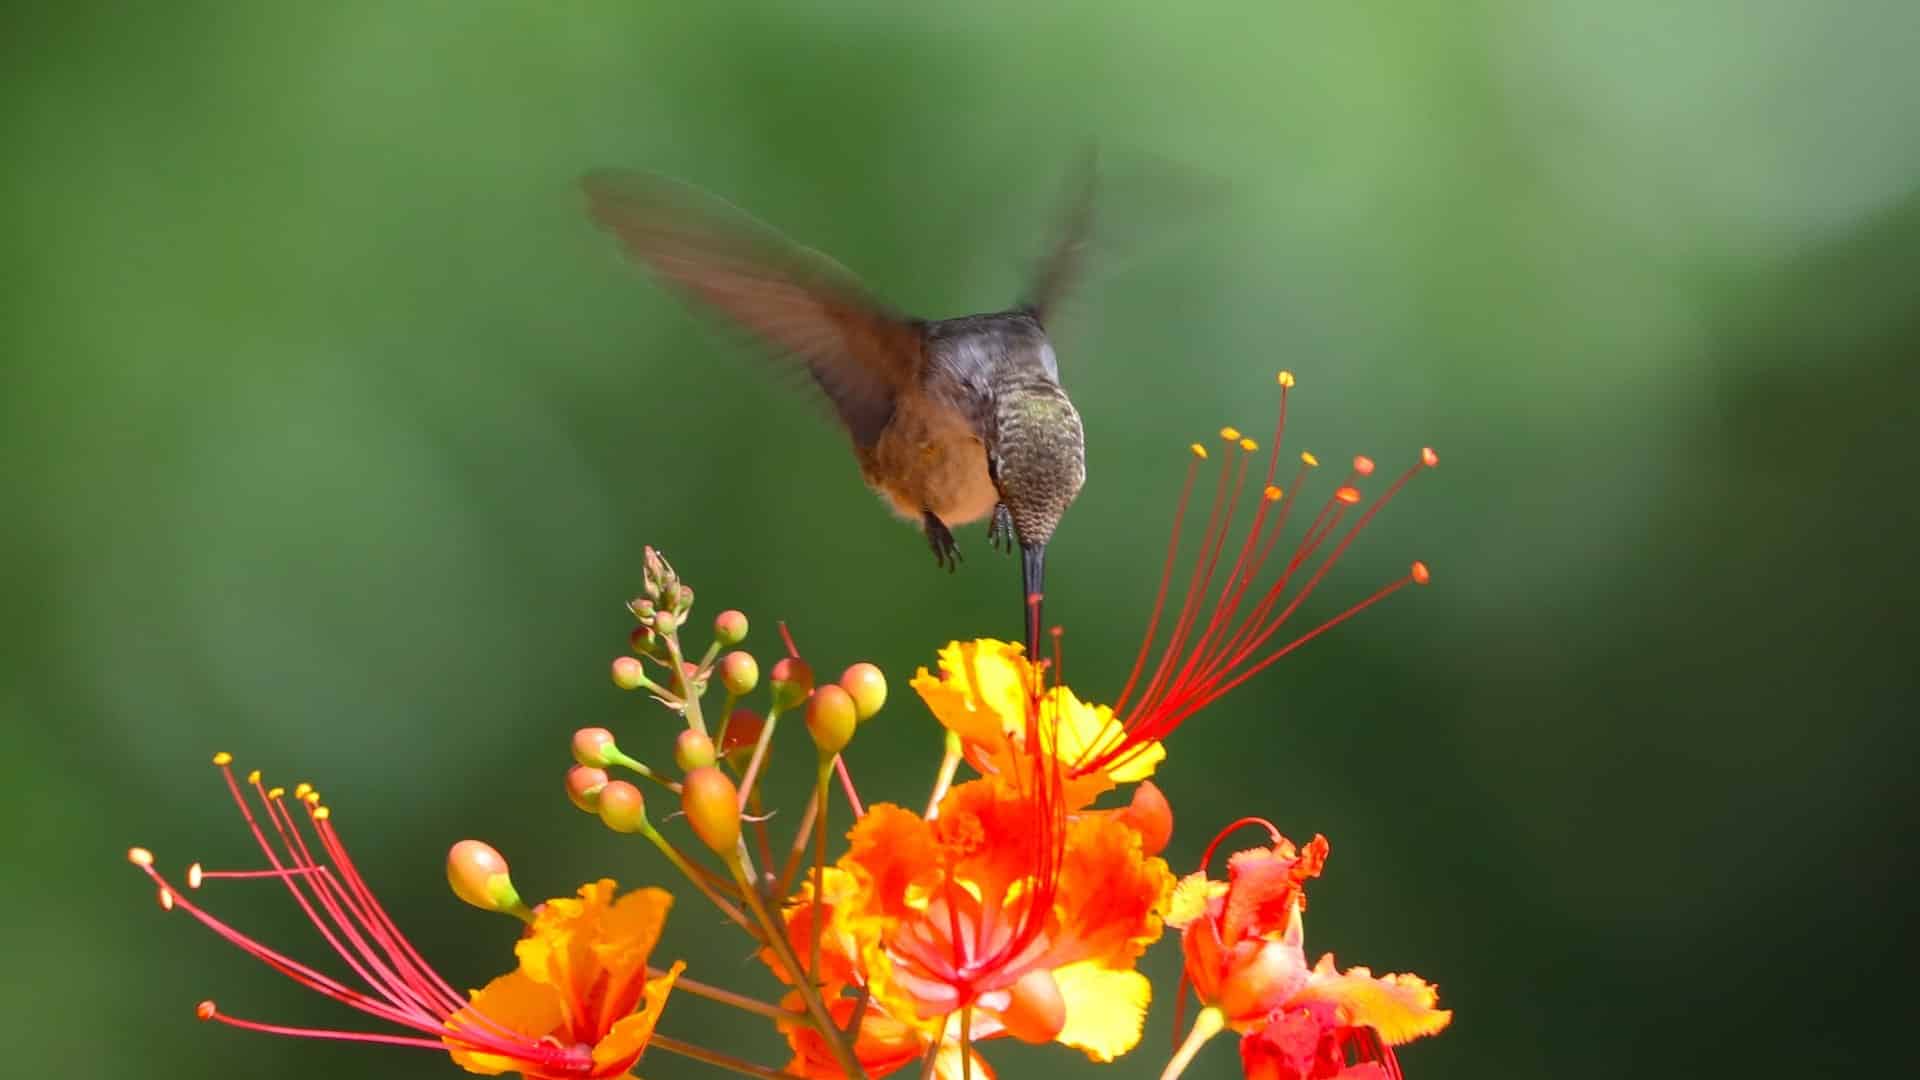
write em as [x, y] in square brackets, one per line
[743, 732]
[692, 750]
[595, 746]
[691, 679]
[643, 640]
[1150, 816]
[831, 719]
[622, 808]
[683, 600]
[1035, 1012]
[730, 628]
[628, 674]
[867, 686]
[478, 875]
[642, 607]
[658, 576]
[583, 787]
[739, 673]
[712, 806]
[792, 682]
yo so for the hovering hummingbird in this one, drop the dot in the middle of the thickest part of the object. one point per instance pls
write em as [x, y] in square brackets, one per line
[952, 420]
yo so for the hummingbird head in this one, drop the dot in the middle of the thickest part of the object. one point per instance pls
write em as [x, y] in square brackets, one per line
[1040, 455]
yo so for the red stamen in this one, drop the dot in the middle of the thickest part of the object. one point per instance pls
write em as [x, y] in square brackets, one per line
[1200, 661]
[404, 989]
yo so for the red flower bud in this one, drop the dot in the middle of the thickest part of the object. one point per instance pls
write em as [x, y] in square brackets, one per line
[478, 875]
[1150, 816]
[739, 673]
[792, 682]
[729, 628]
[628, 674]
[594, 746]
[868, 688]
[712, 806]
[622, 808]
[831, 719]
[692, 750]
[583, 787]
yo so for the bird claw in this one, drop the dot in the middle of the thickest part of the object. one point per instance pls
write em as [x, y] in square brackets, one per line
[1000, 532]
[946, 551]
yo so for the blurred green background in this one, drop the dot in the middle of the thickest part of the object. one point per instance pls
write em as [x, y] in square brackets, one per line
[332, 432]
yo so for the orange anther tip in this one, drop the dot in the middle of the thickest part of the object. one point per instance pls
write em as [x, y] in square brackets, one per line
[1363, 465]
[223, 758]
[1286, 378]
[1428, 457]
[1198, 451]
[1420, 574]
[205, 1010]
[1231, 434]
[166, 898]
[1348, 495]
[301, 789]
[1309, 460]
[139, 856]
[321, 813]
[1273, 494]
[276, 792]
[253, 777]
[1249, 445]
[195, 874]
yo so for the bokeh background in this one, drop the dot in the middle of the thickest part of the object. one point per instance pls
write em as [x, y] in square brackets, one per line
[330, 434]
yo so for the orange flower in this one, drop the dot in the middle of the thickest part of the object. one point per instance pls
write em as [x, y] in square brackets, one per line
[885, 1042]
[582, 976]
[1245, 956]
[1030, 918]
[568, 1012]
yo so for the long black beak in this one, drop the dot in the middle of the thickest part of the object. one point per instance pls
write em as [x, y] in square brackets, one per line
[1033, 567]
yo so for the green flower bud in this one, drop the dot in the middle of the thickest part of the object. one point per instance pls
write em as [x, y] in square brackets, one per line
[739, 673]
[792, 682]
[692, 750]
[729, 628]
[622, 808]
[478, 875]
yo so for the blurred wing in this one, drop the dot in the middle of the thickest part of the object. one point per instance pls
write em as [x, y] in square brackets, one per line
[795, 300]
[1064, 265]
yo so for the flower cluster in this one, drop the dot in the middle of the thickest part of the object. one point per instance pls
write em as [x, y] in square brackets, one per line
[1016, 902]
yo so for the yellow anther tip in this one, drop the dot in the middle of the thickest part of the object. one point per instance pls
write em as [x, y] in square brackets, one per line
[1249, 445]
[1231, 434]
[275, 792]
[1286, 379]
[300, 789]
[139, 856]
[253, 777]
[223, 758]
[311, 798]
[166, 898]
[195, 875]
[1309, 460]
[322, 813]
[1198, 451]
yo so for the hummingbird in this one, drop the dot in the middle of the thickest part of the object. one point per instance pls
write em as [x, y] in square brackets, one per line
[952, 420]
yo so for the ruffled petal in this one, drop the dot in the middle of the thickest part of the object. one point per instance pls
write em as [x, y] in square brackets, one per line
[1106, 1008]
[623, 1043]
[981, 691]
[512, 1001]
[1400, 1007]
[629, 930]
[1190, 898]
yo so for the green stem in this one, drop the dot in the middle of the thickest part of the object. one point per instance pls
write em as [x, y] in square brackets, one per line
[1205, 1026]
[693, 874]
[776, 938]
[821, 798]
[688, 698]
[714, 1057]
[725, 997]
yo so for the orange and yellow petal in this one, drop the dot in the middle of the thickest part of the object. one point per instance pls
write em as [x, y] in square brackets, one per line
[558, 948]
[1110, 894]
[843, 933]
[624, 1042]
[891, 852]
[1266, 884]
[1082, 731]
[628, 931]
[1106, 1008]
[981, 691]
[1191, 898]
[1400, 1007]
[513, 1001]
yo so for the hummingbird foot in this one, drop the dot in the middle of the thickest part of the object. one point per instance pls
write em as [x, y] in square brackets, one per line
[946, 551]
[1000, 532]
